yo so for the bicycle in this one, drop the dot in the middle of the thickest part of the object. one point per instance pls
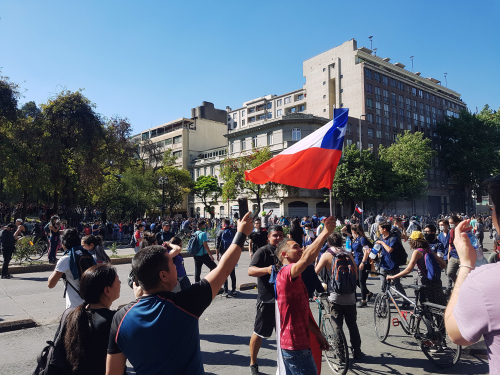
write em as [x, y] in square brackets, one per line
[40, 248]
[337, 356]
[425, 323]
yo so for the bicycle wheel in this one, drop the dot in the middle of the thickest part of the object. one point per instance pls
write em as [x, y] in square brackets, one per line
[337, 356]
[435, 342]
[39, 248]
[382, 316]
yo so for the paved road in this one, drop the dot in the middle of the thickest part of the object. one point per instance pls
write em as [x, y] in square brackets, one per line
[225, 329]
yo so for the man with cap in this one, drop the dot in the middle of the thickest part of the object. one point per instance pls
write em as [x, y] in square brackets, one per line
[8, 247]
[261, 267]
[321, 226]
[164, 235]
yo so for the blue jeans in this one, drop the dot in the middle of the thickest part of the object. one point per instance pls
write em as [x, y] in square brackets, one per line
[299, 362]
[54, 242]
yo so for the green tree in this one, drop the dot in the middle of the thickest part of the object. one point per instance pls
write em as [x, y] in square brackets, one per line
[208, 190]
[30, 110]
[410, 158]
[469, 147]
[178, 185]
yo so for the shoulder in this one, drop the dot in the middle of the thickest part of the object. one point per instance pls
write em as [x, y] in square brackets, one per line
[62, 264]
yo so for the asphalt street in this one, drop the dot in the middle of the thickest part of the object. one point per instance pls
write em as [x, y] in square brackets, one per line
[225, 330]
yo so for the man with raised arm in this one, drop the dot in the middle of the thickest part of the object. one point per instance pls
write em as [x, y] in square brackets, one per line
[158, 333]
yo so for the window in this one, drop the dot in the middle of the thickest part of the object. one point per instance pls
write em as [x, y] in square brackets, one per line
[420, 93]
[261, 107]
[243, 113]
[251, 110]
[235, 115]
[243, 122]
[296, 134]
[378, 120]
[177, 154]
[243, 144]
[299, 97]
[269, 105]
[348, 142]
[368, 89]
[278, 112]
[387, 122]
[212, 171]
[369, 103]
[377, 90]
[251, 119]
[178, 139]
[231, 148]
[401, 125]
[292, 110]
[197, 173]
[414, 90]
[269, 115]
[369, 118]
[394, 83]
[387, 136]
[370, 147]
[324, 83]
[270, 140]
[394, 137]
[278, 103]
[393, 98]
[288, 99]
[145, 136]
[401, 86]
[168, 141]
[426, 95]
[401, 112]
[368, 73]
[324, 69]
[254, 141]
[262, 117]
[379, 134]
[301, 108]
[324, 96]
[376, 77]
[385, 80]
[370, 133]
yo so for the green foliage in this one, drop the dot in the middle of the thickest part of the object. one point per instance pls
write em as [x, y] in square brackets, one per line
[207, 189]
[470, 146]
[113, 248]
[410, 158]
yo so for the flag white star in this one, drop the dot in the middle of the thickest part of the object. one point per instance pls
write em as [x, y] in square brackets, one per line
[342, 131]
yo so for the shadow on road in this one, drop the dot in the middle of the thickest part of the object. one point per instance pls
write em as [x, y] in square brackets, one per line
[236, 340]
[30, 278]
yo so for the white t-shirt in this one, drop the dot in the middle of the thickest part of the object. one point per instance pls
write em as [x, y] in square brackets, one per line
[72, 298]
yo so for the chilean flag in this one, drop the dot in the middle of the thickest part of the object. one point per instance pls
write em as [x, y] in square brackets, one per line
[310, 163]
[359, 210]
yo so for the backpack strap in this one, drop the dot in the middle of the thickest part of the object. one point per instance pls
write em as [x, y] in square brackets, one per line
[424, 254]
[72, 286]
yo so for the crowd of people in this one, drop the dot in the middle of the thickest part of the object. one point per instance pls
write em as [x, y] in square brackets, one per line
[290, 258]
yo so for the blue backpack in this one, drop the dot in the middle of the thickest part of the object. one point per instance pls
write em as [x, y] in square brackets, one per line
[193, 246]
[433, 270]
[226, 239]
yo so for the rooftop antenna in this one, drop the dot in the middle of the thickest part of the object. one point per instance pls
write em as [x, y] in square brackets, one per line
[445, 79]
[375, 51]
[371, 42]
[411, 57]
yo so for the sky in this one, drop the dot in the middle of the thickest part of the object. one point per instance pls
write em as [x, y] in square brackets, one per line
[152, 61]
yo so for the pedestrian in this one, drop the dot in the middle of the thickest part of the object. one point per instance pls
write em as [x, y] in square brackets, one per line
[474, 307]
[174, 248]
[257, 238]
[309, 236]
[54, 228]
[165, 234]
[342, 296]
[453, 259]
[138, 237]
[479, 231]
[95, 228]
[204, 255]
[296, 322]
[222, 242]
[296, 231]
[261, 266]
[359, 244]
[159, 332]
[94, 246]
[8, 248]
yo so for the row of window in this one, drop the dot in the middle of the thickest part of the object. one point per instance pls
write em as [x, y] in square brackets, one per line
[268, 105]
[296, 136]
[298, 109]
[206, 170]
[213, 154]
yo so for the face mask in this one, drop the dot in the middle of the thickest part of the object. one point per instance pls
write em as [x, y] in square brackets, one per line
[442, 228]
[429, 237]
[310, 233]
[452, 226]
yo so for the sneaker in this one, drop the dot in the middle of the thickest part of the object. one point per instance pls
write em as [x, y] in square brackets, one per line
[369, 297]
[254, 369]
[225, 294]
[357, 354]
[6, 276]
[361, 304]
[233, 293]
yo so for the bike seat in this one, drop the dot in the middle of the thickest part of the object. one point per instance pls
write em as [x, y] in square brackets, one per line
[416, 287]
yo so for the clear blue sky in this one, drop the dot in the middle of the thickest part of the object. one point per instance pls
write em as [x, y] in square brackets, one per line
[152, 61]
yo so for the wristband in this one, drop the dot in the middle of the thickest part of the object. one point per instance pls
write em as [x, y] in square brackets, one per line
[465, 265]
[239, 239]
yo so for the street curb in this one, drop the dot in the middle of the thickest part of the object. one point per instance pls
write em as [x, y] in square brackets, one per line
[247, 286]
[17, 325]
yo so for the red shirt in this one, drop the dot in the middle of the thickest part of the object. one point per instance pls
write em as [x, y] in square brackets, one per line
[87, 231]
[293, 305]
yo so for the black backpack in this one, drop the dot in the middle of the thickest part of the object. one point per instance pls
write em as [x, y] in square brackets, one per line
[52, 359]
[399, 254]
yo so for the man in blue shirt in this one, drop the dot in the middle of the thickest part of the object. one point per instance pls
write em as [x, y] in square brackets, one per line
[388, 266]
[204, 255]
[159, 333]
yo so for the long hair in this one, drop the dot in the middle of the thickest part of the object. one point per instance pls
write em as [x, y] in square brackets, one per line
[358, 229]
[79, 330]
[91, 239]
[149, 239]
[418, 244]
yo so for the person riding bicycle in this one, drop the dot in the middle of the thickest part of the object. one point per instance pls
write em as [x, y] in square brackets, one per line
[433, 292]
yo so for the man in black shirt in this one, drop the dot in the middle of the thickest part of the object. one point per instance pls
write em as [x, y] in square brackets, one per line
[158, 333]
[8, 247]
[261, 266]
[257, 238]
[164, 235]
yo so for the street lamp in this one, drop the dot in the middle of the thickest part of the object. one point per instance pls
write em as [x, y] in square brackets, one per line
[162, 180]
[360, 147]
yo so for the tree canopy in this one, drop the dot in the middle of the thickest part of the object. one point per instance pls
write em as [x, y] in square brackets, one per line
[208, 190]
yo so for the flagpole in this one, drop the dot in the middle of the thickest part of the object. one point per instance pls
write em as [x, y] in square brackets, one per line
[330, 196]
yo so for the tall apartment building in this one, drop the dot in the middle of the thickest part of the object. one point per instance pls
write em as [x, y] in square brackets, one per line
[188, 137]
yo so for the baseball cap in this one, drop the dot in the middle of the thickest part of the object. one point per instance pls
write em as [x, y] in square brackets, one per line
[417, 236]
[165, 223]
[322, 218]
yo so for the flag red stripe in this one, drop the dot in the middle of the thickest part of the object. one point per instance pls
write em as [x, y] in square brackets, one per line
[313, 168]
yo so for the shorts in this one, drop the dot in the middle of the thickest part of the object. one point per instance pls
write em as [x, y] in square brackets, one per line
[265, 320]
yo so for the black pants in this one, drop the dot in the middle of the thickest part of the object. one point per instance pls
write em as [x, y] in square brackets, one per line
[233, 281]
[200, 261]
[348, 312]
[7, 256]
[363, 276]
[480, 238]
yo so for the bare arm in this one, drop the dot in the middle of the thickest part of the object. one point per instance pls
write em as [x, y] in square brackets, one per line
[258, 272]
[54, 278]
[250, 248]
[386, 247]
[312, 251]
[115, 364]
[415, 256]
[217, 276]
[176, 250]
[205, 245]
[323, 262]
[467, 255]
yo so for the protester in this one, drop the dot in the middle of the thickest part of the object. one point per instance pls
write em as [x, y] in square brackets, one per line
[342, 304]
[474, 305]
[54, 227]
[295, 318]
[158, 333]
[361, 258]
[8, 248]
[261, 267]
[453, 259]
[94, 246]
[204, 255]
[138, 237]
[164, 235]
[296, 231]
[257, 238]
